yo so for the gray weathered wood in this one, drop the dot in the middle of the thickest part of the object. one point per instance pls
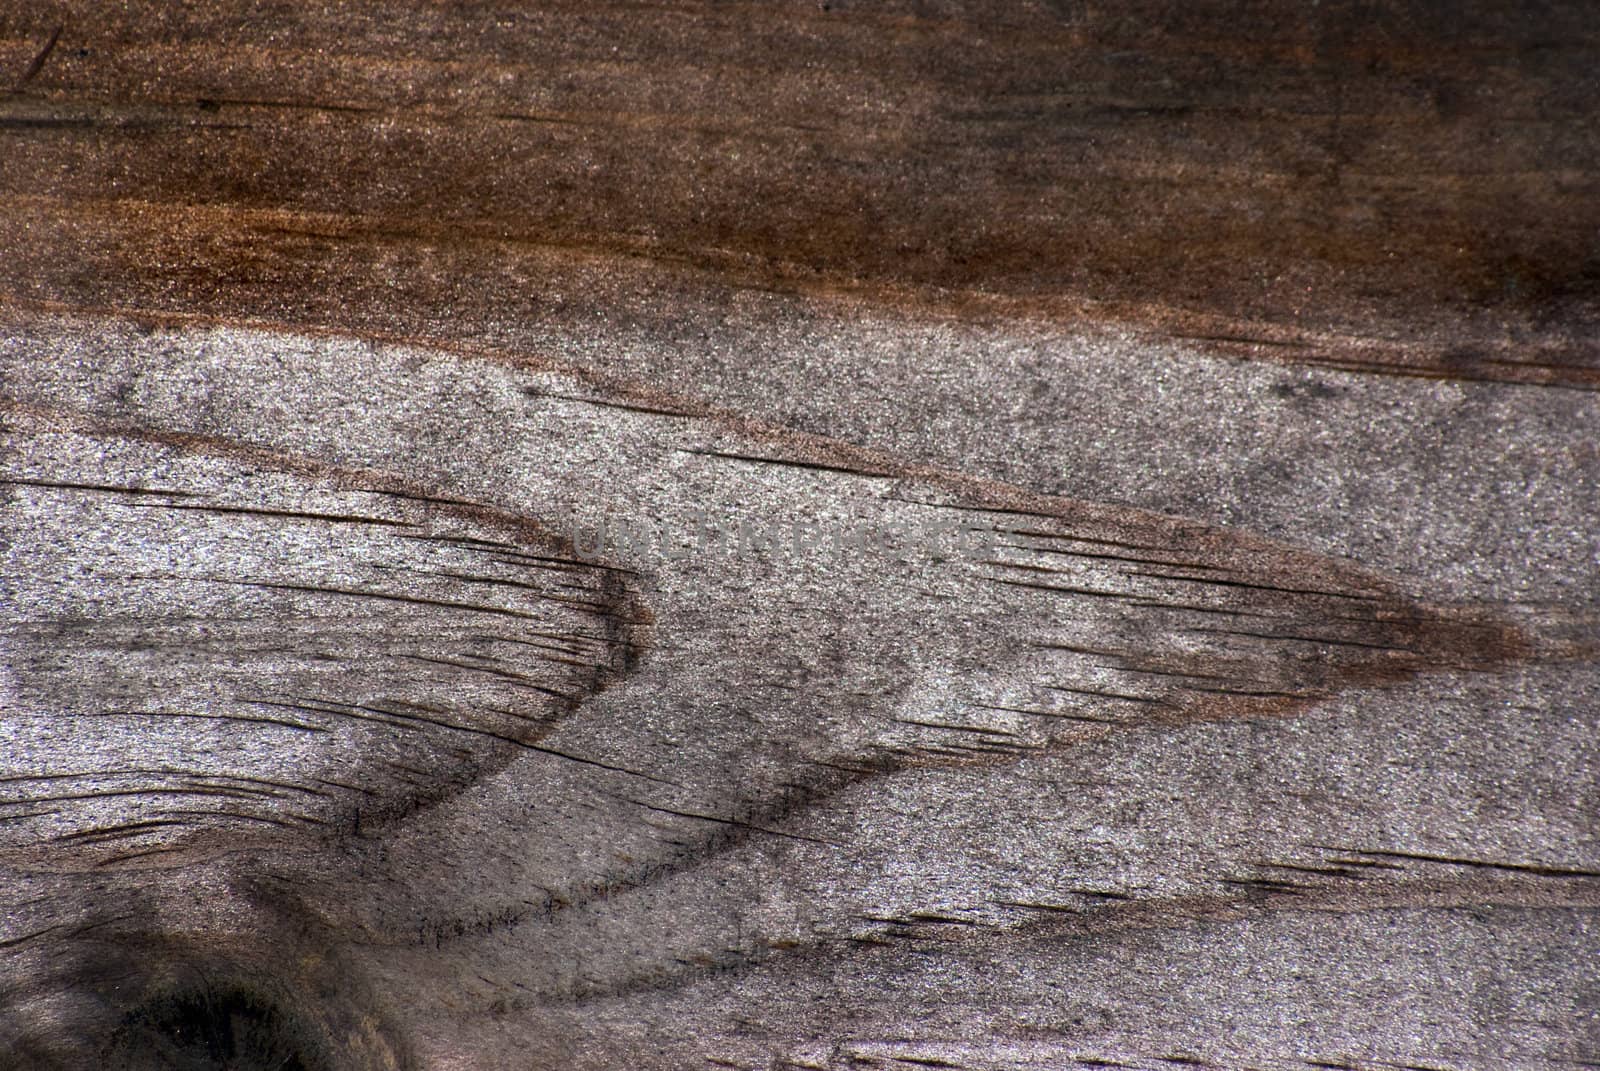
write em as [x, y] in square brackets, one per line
[1113, 568]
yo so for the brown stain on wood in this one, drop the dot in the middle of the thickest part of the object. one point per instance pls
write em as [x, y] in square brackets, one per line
[1363, 200]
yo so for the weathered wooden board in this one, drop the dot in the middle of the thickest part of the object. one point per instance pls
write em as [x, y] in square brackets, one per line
[982, 536]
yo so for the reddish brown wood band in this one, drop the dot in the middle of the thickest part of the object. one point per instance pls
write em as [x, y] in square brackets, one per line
[1409, 189]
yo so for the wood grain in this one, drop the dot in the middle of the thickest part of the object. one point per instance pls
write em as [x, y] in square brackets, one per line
[799, 535]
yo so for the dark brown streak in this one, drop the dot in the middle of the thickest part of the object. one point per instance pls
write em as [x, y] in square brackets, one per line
[301, 726]
[626, 407]
[38, 61]
[105, 488]
[313, 589]
[197, 790]
[1120, 596]
[1257, 587]
[1062, 716]
[1483, 864]
[559, 754]
[1317, 640]
[331, 707]
[290, 105]
[983, 730]
[146, 771]
[519, 679]
[124, 830]
[813, 466]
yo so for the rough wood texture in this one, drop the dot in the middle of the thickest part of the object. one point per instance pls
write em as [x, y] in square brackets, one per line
[1110, 576]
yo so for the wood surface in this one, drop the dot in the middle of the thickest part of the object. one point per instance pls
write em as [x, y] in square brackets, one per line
[800, 535]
